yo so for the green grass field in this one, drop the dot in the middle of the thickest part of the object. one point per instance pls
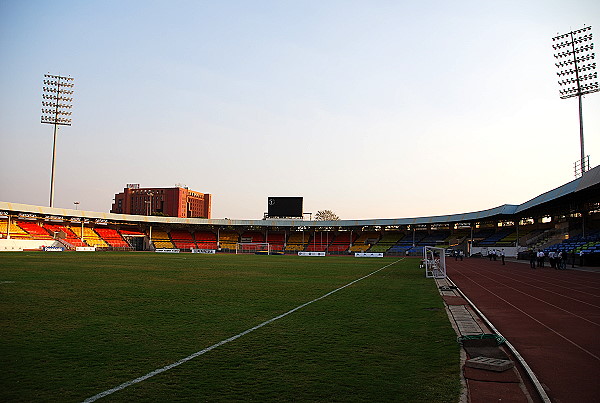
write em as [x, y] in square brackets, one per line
[77, 324]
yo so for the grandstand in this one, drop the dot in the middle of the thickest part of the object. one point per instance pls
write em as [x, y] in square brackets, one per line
[320, 241]
[509, 240]
[252, 237]
[112, 237]
[578, 245]
[409, 243]
[228, 240]
[34, 230]
[494, 238]
[182, 239]
[89, 236]
[387, 240]
[66, 235]
[562, 219]
[364, 242]
[161, 240]
[276, 240]
[342, 242]
[206, 239]
[297, 241]
[15, 231]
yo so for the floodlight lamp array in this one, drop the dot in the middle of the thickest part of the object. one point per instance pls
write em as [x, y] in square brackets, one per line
[585, 48]
[578, 32]
[576, 63]
[56, 102]
[582, 89]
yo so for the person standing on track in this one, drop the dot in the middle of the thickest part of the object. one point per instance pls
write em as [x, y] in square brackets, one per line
[502, 256]
[559, 260]
[552, 259]
[532, 258]
[541, 257]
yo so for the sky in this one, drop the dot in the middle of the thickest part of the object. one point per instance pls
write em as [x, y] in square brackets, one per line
[371, 109]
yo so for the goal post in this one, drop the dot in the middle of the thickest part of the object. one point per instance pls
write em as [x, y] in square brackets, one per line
[434, 261]
[253, 247]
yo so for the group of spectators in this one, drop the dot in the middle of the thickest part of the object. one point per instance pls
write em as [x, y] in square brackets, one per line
[557, 260]
[458, 254]
[493, 254]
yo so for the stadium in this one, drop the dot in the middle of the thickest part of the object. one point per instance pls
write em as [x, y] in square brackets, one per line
[465, 266]
[94, 245]
[563, 219]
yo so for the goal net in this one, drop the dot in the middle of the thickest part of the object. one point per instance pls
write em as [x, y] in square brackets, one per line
[434, 260]
[252, 247]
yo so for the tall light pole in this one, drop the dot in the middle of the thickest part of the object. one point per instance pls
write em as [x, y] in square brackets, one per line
[56, 107]
[575, 61]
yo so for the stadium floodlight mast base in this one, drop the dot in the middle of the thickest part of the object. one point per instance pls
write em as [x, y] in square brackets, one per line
[56, 105]
[577, 66]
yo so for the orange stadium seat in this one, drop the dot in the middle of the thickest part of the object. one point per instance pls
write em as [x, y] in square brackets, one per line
[276, 240]
[34, 230]
[89, 236]
[320, 241]
[342, 241]
[111, 237]
[206, 240]
[70, 237]
[182, 239]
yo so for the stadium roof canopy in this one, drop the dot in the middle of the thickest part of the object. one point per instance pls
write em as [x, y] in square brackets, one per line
[568, 197]
[574, 196]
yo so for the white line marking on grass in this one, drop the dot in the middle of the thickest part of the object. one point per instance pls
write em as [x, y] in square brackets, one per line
[237, 336]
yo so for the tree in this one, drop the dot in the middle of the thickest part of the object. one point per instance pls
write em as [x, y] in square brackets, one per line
[326, 215]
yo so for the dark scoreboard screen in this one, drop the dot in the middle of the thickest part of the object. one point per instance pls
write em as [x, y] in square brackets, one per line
[284, 207]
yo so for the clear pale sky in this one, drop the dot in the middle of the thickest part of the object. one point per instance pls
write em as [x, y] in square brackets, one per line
[372, 109]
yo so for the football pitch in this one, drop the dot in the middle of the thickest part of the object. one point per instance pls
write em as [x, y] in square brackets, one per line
[238, 328]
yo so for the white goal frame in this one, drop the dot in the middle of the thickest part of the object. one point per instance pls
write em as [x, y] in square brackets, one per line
[252, 247]
[434, 261]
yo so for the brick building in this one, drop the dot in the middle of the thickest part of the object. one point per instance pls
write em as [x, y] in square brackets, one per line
[173, 202]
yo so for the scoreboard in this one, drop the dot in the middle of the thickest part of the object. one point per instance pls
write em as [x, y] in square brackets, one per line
[284, 207]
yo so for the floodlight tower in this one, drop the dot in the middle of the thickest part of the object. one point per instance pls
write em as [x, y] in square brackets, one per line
[577, 68]
[56, 107]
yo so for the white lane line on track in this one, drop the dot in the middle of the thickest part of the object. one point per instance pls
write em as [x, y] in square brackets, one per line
[540, 288]
[563, 286]
[535, 320]
[569, 277]
[541, 300]
[237, 336]
[537, 384]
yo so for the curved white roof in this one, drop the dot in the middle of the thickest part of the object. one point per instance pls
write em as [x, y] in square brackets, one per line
[589, 180]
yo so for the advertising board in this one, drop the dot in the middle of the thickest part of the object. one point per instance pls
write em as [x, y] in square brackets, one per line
[311, 253]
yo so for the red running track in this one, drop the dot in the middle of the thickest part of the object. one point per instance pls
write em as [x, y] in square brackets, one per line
[552, 317]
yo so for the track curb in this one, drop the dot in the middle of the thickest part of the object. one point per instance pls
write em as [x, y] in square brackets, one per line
[537, 384]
